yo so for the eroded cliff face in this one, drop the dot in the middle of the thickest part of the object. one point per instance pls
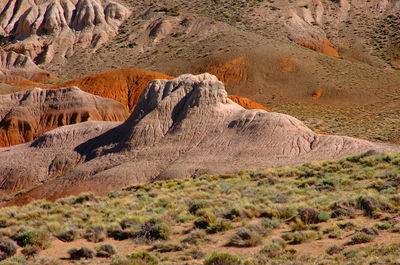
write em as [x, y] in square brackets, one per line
[26, 115]
[52, 31]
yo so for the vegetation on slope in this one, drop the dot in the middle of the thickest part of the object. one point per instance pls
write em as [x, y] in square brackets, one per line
[329, 212]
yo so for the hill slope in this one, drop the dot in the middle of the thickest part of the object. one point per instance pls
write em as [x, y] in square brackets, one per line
[328, 212]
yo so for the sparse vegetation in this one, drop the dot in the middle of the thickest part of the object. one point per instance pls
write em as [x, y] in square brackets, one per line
[267, 210]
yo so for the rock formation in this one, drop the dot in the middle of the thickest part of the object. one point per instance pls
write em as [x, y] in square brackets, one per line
[180, 128]
[125, 85]
[20, 70]
[50, 31]
[26, 115]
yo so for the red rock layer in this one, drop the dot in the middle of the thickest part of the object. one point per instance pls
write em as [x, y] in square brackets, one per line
[247, 103]
[125, 85]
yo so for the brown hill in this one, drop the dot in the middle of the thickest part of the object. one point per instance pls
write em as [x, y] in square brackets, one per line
[26, 115]
[180, 128]
[125, 85]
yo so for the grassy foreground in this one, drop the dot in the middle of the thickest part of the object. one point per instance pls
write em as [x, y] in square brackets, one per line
[332, 212]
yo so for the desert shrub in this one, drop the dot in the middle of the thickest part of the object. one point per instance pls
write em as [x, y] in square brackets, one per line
[134, 223]
[32, 237]
[119, 234]
[303, 236]
[270, 224]
[14, 260]
[206, 219]
[348, 226]
[195, 238]
[143, 258]
[383, 226]
[222, 259]
[257, 228]
[323, 216]
[96, 234]
[245, 238]
[394, 199]
[105, 251]
[283, 212]
[152, 230]
[45, 261]
[195, 253]
[120, 260]
[308, 215]
[395, 229]
[370, 231]
[297, 225]
[30, 250]
[299, 236]
[197, 205]
[76, 254]
[68, 236]
[234, 214]
[7, 248]
[219, 226]
[361, 237]
[343, 208]
[164, 248]
[84, 197]
[271, 250]
[368, 204]
[334, 250]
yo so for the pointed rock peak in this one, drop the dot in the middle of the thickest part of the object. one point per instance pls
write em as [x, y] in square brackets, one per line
[185, 91]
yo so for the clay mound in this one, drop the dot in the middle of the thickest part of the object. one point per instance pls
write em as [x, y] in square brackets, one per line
[26, 115]
[51, 31]
[180, 128]
[18, 69]
[125, 85]
[247, 103]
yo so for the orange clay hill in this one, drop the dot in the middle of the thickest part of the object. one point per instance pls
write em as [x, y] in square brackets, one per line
[247, 103]
[26, 115]
[124, 85]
